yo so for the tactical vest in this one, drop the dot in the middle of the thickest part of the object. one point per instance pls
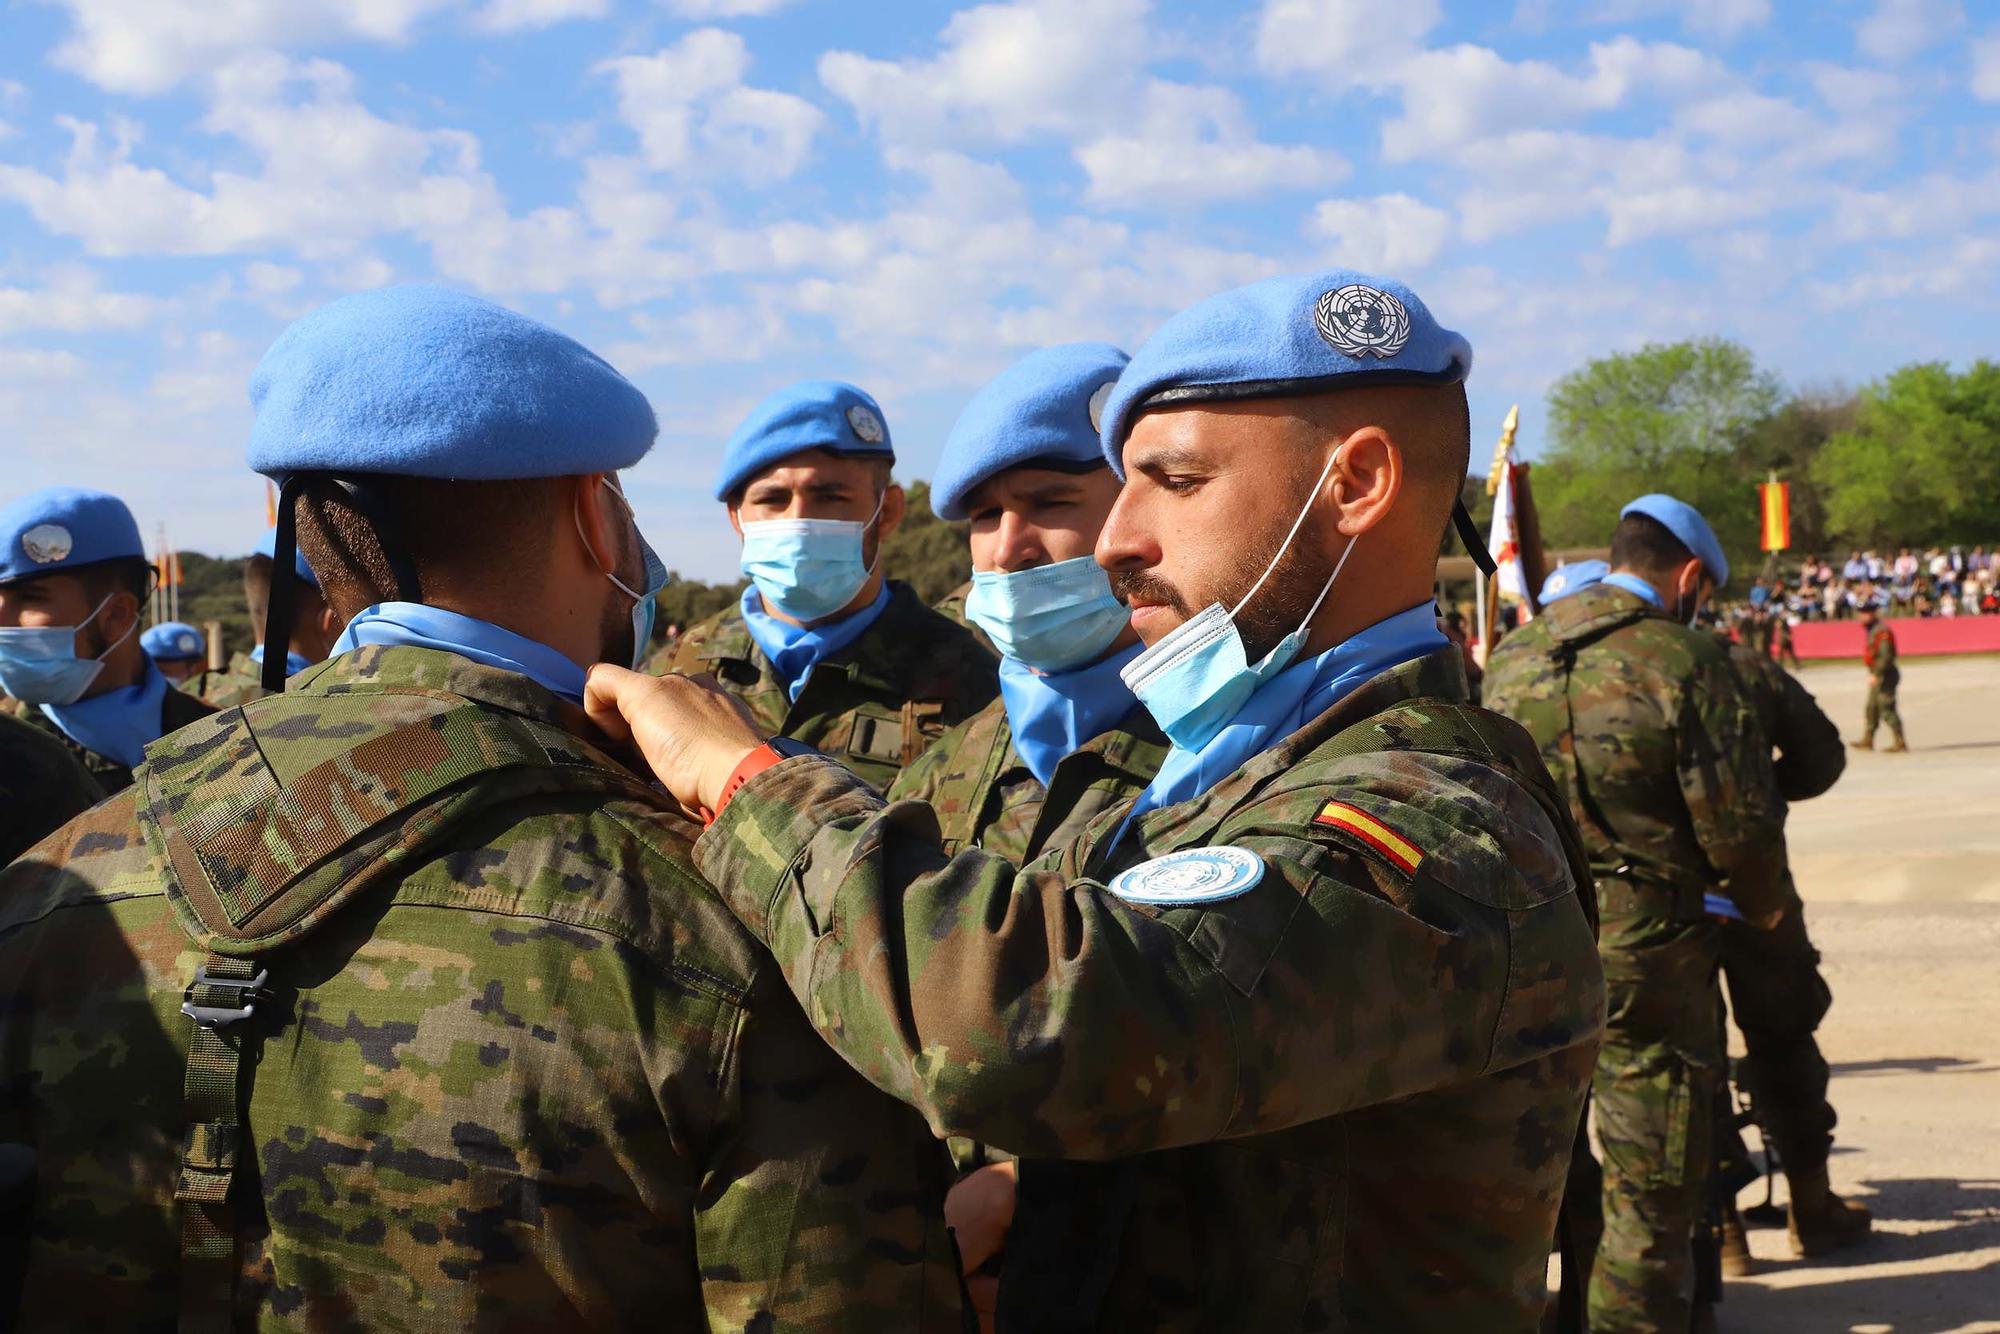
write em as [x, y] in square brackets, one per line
[1060, 1270]
[231, 852]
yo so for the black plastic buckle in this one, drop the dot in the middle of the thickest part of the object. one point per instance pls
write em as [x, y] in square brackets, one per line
[220, 1016]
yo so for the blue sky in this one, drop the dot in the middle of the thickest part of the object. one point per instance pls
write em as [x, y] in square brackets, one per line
[724, 195]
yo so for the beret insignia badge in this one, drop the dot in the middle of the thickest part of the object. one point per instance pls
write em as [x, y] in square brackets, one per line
[47, 543]
[1097, 402]
[866, 424]
[1192, 875]
[1362, 321]
[185, 642]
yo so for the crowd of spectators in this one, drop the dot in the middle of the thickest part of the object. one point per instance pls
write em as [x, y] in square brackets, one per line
[1941, 581]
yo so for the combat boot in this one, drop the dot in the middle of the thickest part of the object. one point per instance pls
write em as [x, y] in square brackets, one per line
[1863, 743]
[1737, 1262]
[1895, 746]
[1820, 1220]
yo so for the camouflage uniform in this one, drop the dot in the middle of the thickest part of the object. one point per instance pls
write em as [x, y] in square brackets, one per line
[875, 705]
[952, 607]
[1645, 726]
[1879, 656]
[177, 710]
[226, 687]
[42, 786]
[1342, 1100]
[517, 1068]
[986, 797]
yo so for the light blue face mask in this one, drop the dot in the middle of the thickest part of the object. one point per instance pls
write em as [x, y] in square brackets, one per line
[645, 605]
[1050, 618]
[38, 663]
[1198, 676]
[808, 569]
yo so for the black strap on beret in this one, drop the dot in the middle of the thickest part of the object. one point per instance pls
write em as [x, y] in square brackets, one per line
[364, 495]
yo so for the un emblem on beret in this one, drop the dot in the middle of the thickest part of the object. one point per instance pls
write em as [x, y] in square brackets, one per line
[1362, 321]
[47, 543]
[1097, 402]
[185, 642]
[1192, 875]
[866, 424]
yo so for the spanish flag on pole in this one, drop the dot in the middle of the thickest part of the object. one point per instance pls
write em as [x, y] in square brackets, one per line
[1775, 499]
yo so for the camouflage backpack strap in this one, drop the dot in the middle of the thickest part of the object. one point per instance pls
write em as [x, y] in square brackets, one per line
[235, 845]
[1448, 727]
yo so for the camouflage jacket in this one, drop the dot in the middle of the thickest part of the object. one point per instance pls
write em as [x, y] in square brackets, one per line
[877, 704]
[986, 797]
[1652, 737]
[42, 786]
[518, 1069]
[1810, 756]
[1351, 1090]
[226, 687]
[176, 711]
[952, 607]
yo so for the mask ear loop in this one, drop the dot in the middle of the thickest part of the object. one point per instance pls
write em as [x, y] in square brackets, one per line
[577, 519]
[880, 501]
[1297, 523]
[93, 616]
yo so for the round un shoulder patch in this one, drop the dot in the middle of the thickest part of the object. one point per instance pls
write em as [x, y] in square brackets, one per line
[1192, 875]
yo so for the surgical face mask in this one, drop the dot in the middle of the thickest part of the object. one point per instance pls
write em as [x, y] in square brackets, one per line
[38, 664]
[808, 568]
[645, 604]
[1050, 618]
[1199, 676]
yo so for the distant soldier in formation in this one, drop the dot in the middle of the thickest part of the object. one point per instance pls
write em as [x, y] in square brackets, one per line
[822, 648]
[314, 628]
[393, 1001]
[1643, 721]
[176, 648]
[1878, 655]
[73, 583]
[1317, 1010]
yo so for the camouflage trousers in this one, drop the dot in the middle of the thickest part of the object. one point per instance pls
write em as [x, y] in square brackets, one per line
[1658, 1075]
[1777, 998]
[1882, 712]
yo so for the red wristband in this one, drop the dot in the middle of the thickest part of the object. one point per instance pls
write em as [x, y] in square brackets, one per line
[756, 762]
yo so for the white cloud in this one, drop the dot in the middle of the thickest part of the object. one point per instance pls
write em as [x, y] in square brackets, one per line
[519, 15]
[1716, 18]
[691, 110]
[700, 10]
[1899, 29]
[1387, 234]
[1986, 68]
[72, 302]
[1354, 42]
[1193, 145]
[30, 366]
[148, 46]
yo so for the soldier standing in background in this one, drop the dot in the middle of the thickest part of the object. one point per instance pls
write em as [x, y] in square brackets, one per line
[1644, 723]
[472, 1046]
[176, 648]
[1777, 995]
[73, 582]
[822, 648]
[1878, 655]
[314, 628]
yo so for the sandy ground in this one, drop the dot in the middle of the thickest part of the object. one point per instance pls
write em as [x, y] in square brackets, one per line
[1900, 869]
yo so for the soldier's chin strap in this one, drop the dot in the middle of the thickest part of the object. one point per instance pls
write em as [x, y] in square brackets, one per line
[364, 496]
[1475, 544]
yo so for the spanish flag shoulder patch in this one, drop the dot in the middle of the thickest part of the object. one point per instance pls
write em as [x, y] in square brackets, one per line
[1402, 853]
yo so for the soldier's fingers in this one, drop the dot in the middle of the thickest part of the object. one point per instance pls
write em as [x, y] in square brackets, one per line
[601, 687]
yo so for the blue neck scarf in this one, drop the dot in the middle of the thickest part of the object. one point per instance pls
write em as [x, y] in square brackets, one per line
[294, 664]
[1053, 716]
[1638, 587]
[1287, 702]
[796, 649]
[118, 723]
[418, 626]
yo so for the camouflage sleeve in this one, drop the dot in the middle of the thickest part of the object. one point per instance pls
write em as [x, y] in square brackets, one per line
[1035, 1010]
[919, 780]
[1885, 655]
[1731, 792]
[1811, 756]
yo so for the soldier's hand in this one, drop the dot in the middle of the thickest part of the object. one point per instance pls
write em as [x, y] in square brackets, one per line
[980, 1210]
[692, 732]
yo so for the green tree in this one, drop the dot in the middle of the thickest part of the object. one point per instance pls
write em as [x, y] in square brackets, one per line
[1676, 417]
[1922, 461]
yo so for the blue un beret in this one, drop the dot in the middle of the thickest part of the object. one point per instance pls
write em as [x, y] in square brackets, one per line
[812, 414]
[1684, 521]
[1572, 578]
[1310, 334]
[267, 547]
[61, 528]
[424, 381]
[173, 639]
[1045, 409]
